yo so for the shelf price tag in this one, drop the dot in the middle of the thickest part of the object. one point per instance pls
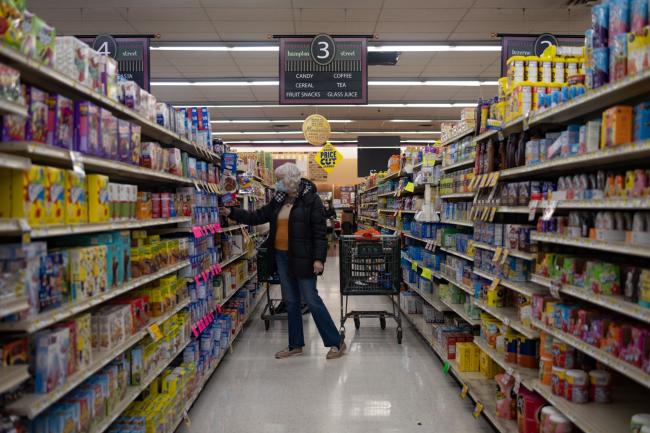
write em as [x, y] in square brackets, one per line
[409, 187]
[414, 265]
[154, 332]
[532, 209]
[495, 178]
[197, 281]
[464, 391]
[497, 255]
[555, 289]
[195, 331]
[426, 273]
[478, 409]
[493, 212]
[445, 367]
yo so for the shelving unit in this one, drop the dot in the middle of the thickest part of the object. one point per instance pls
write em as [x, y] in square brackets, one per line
[12, 108]
[592, 244]
[629, 370]
[463, 133]
[67, 230]
[12, 375]
[457, 253]
[458, 196]
[509, 317]
[525, 376]
[434, 301]
[512, 253]
[458, 165]
[523, 287]
[13, 306]
[457, 222]
[609, 203]
[614, 303]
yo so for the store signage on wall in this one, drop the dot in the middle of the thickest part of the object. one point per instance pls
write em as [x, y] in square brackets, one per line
[323, 70]
[131, 53]
[533, 45]
[316, 129]
[328, 157]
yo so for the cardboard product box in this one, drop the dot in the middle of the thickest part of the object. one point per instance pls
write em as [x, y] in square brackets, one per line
[60, 125]
[88, 273]
[98, 198]
[76, 198]
[55, 195]
[83, 327]
[617, 126]
[54, 287]
[28, 192]
[51, 361]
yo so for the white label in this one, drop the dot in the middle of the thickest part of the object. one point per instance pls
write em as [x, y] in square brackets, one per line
[549, 210]
[555, 288]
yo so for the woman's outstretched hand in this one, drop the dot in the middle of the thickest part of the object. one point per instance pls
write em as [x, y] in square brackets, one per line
[225, 211]
[318, 267]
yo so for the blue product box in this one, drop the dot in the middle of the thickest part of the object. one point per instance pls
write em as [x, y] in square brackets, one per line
[642, 121]
[54, 284]
[51, 363]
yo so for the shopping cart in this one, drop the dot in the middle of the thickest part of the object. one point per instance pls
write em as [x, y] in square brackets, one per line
[275, 308]
[370, 266]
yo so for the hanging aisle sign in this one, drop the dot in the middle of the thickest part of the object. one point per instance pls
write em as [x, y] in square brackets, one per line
[323, 70]
[328, 157]
[316, 129]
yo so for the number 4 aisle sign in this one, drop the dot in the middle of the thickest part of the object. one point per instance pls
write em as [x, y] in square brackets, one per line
[328, 157]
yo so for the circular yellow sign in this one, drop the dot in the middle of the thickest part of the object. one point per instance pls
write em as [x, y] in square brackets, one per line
[316, 129]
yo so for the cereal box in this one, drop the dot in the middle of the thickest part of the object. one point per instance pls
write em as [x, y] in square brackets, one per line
[60, 125]
[108, 138]
[76, 198]
[86, 127]
[54, 286]
[84, 340]
[98, 198]
[36, 128]
[55, 195]
[28, 195]
[51, 362]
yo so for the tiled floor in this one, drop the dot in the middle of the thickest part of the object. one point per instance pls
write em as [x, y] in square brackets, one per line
[378, 386]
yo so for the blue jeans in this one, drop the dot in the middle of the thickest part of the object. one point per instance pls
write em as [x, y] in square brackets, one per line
[292, 290]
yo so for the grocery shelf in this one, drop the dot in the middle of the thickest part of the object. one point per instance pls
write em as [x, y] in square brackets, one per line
[595, 100]
[480, 389]
[372, 188]
[458, 165]
[387, 194]
[465, 132]
[615, 303]
[417, 238]
[368, 218]
[513, 253]
[457, 253]
[262, 181]
[53, 81]
[13, 306]
[633, 153]
[45, 154]
[464, 287]
[389, 227]
[14, 162]
[67, 229]
[524, 287]
[512, 126]
[608, 203]
[512, 209]
[13, 375]
[610, 247]
[12, 108]
[233, 259]
[31, 405]
[458, 222]
[208, 375]
[232, 228]
[599, 417]
[613, 362]
[460, 310]
[526, 376]
[239, 287]
[509, 317]
[434, 301]
[43, 320]
[133, 392]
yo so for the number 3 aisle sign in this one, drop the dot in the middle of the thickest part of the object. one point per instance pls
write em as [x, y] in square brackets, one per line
[327, 157]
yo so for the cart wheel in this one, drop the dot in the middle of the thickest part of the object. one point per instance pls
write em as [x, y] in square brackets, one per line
[342, 334]
[357, 322]
[382, 322]
[267, 324]
[399, 336]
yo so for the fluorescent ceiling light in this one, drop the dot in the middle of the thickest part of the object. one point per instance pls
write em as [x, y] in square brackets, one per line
[347, 107]
[448, 83]
[371, 48]
[218, 48]
[215, 83]
[464, 83]
[433, 48]
[223, 133]
[244, 121]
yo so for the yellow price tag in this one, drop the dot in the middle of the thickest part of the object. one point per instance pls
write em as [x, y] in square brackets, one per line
[493, 212]
[486, 213]
[426, 273]
[495, 178]
[484, 180]
[497, 254]
[505, 255]
[409, 187]
[494, 284]
[414, 265]
[155, 332]
[464, 391]
[478, 409]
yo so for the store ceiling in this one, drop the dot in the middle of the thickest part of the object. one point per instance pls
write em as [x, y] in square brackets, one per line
[405, 21]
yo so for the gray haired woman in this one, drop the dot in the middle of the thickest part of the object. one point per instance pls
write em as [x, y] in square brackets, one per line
[298, 244]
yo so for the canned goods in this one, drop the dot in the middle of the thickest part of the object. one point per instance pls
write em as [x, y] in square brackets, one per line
[600, 386]
[576, 389]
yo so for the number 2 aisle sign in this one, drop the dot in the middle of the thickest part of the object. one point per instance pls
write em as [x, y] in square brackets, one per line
[323, 70]
[327, 157]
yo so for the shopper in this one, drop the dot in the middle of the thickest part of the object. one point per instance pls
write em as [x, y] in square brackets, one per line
[298, 244]
[330, 216]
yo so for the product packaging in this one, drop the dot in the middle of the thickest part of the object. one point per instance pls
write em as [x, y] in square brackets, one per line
[616, 126]
[98, 201]
[55, 195]
[38, 115]
[76, 198]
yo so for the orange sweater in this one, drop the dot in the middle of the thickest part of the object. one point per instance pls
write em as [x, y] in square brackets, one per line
[282, 229]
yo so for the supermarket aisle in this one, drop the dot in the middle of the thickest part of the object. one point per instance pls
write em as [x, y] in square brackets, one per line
[378, 386]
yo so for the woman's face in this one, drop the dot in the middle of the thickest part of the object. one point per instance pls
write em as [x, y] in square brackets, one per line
[289, 185]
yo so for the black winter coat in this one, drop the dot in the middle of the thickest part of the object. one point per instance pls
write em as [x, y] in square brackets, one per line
[307, 228]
